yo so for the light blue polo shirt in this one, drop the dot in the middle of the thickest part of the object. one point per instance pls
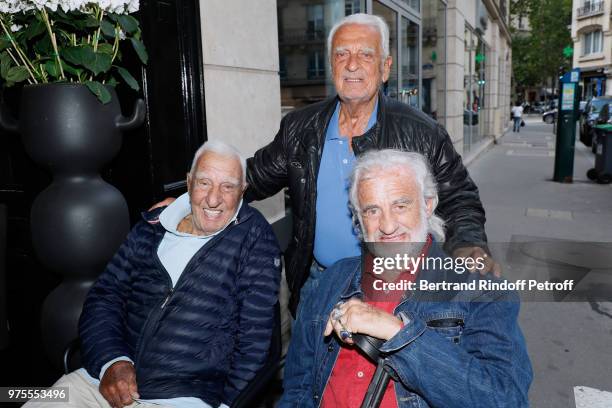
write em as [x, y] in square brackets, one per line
[335, 237]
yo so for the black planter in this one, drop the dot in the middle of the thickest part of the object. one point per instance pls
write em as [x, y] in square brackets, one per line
[79, 221]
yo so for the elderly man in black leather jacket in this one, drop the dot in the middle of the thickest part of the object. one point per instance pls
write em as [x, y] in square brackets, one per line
[365, 119]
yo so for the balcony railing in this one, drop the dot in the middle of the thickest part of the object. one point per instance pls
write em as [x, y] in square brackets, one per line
[591, 8]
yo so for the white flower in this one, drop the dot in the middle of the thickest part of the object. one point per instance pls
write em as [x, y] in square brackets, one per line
[109, 6]
[16, 27]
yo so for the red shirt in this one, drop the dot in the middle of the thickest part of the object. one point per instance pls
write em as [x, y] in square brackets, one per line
[353, 371]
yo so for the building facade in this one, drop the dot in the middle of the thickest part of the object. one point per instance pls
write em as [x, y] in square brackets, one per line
[592, 37]
[451, 59]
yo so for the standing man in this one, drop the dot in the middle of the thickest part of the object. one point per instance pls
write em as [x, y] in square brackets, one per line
[315, 148]
[517, 116]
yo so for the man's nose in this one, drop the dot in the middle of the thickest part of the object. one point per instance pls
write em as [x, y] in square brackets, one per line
[214, 197]
[388, 224]
[353, 62]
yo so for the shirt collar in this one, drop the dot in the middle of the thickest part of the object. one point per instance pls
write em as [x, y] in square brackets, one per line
[172, 215]
[334, 123]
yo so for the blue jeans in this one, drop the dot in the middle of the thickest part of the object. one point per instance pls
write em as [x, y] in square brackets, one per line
[517, 124]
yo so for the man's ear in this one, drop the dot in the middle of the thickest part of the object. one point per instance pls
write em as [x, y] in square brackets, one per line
[429, 204]
[386, 71]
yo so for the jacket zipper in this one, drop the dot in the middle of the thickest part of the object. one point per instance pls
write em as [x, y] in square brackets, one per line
[158, 311]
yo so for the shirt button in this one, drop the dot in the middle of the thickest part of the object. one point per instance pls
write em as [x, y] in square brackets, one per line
[344, 161]
[330, 348]
[360, 374]
[340, 142]
[303, 180]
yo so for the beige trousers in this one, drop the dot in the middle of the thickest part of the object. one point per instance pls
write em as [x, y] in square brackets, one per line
[82, 394]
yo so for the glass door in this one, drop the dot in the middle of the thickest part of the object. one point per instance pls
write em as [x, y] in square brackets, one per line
[390, 16]
[410, 63]
[404, 43]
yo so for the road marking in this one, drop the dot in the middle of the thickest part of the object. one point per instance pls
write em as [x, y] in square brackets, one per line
[587, 397]
[531, 153]
[545, 213]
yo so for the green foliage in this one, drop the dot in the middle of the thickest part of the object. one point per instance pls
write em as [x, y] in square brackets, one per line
[40, 46]
[538, 54]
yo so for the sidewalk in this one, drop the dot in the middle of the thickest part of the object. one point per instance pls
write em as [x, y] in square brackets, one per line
[570, 344]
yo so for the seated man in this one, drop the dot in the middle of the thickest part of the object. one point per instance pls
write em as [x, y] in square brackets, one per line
[460, 348]
[183, 314]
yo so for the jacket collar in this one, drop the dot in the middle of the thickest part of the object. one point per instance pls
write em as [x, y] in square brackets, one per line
[152, 217]
[369, 139]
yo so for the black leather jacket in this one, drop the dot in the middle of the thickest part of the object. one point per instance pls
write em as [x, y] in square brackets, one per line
[292, 160]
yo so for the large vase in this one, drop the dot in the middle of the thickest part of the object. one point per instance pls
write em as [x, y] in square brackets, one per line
[79, 221]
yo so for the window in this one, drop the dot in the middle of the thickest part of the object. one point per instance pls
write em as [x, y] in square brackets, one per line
[352, 7]
[593, 42]
[315, 22]
[316, 65]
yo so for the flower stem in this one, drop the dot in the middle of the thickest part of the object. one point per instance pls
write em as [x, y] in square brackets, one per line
[100, 15]
[53, 41]
[116, 43]
[97, 34]
[19, 53]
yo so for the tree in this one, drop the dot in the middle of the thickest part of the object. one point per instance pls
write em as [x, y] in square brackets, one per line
[538, 55]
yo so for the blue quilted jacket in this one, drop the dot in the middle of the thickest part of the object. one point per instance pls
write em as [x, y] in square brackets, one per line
[206, 337]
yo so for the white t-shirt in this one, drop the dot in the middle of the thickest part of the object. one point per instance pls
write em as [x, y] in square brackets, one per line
[517, 111]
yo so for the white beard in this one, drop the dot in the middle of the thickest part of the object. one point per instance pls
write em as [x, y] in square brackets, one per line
[418, 237]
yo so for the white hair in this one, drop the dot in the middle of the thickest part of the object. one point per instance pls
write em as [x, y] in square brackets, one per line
[388, 159]
[223, 149]
[363, 19]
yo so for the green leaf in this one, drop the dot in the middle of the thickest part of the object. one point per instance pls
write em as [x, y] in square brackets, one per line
[105, 49]
[85, 56]
[69, 69]
[113, 16]
[4, 43]
[112, 82]
[91, 22]
[140, 50]
[51, 68]
[17, 74]
[108, 29]
[99, 90]
[34, 29]
[5, 64]
[43, 46]
[75, 55]
[128, 78]
[128, 23]
[98, 63]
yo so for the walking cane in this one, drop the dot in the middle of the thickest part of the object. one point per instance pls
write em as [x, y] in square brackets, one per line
[376, 390]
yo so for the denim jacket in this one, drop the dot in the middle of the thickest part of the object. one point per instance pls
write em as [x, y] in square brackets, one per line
[456, 349]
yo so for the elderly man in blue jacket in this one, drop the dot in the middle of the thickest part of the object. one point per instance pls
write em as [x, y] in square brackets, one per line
[445, 346]
[183, 314]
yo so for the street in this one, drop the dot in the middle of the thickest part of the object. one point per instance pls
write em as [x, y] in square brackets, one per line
[561, 230]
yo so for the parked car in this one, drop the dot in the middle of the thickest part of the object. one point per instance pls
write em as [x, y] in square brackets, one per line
[550, 116]
[589, 116]
[538, 107]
